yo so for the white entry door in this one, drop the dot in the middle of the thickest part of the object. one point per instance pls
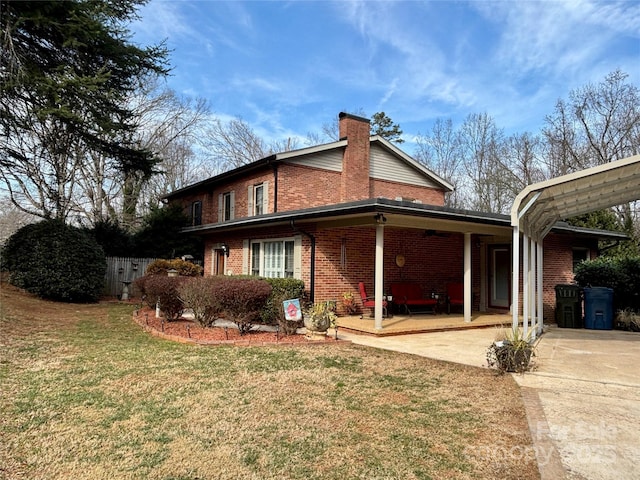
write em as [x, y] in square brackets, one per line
[500, 276]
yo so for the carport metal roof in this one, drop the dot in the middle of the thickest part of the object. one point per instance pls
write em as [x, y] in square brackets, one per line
[537, 208]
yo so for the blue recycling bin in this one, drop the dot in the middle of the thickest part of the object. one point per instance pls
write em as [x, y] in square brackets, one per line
[598, 308]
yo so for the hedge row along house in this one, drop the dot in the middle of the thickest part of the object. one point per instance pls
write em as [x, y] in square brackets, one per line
[362, 210]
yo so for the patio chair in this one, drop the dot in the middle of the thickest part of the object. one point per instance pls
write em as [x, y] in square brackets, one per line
[370, 302]
[455, 295]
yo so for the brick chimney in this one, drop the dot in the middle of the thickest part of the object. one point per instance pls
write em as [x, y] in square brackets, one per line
[354, 182]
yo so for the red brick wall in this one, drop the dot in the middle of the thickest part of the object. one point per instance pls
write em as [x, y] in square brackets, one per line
[305, 187]
[354, 182]
[430, 261]
[558, 266]
[240, 189]
[391, 190]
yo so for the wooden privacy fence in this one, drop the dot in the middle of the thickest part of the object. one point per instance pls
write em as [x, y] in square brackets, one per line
[124, 269]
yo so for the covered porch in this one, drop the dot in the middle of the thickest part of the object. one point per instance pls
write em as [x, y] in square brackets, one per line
[400, 324]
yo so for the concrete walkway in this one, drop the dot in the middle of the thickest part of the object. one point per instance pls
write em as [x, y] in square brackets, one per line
[582, 399]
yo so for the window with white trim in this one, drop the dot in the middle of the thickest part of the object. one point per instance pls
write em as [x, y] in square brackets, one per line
[196, 213]
[273, 258]
[226, 206]
[257, 199]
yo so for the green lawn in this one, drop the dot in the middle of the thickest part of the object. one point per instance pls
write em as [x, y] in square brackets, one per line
[85, 394]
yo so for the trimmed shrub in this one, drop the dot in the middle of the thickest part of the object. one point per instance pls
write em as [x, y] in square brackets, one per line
[140, 284]
[184, 268]
[197, 294]
[282, 289]
[600, 272]
[630, 287]
[164, 290]
[620, 274]
[56, 261]
[241, 299]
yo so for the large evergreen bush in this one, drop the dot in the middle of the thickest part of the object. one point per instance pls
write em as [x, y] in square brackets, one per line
[622, 274]
[55, 261]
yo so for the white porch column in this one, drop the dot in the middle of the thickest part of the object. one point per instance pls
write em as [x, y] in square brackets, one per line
[532, 286]
[515, 275]
[540, 296]
[525, 284]
[379, 278]
[467, 277]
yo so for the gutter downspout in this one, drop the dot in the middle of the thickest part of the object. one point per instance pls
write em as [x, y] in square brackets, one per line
[312, 272]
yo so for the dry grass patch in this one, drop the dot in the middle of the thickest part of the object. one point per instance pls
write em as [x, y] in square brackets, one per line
[86, 394]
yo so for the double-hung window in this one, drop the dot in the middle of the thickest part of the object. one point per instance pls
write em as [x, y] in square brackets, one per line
[196, 213]
[226, 206]
[257, 199]
[273, 258]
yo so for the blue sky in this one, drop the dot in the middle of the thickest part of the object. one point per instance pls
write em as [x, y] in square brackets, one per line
[287, 68]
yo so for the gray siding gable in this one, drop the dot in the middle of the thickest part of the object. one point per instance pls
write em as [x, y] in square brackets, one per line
[325, 160]
[386, 163]
[386, 166]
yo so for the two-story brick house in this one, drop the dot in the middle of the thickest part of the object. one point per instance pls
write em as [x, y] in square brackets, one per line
[360, 209]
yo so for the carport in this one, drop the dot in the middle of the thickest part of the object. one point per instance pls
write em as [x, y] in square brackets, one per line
[539, 206]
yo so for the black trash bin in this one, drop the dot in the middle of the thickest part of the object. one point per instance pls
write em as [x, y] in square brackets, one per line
[598, 308]
[568, 306]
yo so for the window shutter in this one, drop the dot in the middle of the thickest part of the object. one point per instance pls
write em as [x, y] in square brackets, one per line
[245, 257]
[220, 208]
[265, 197]
[233, 205]
[297, 257]
[250, 211]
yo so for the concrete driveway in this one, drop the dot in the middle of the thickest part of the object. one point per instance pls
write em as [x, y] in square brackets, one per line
[582, 399]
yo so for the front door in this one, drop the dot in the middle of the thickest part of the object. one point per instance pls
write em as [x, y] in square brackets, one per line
[499, 276]
[218, 266]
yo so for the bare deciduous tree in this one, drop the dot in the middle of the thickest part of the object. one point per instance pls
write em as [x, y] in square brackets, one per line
[522, 161]
[599, 124]
[482, 149]
[168, 127]
[233, 144]
[440, 151]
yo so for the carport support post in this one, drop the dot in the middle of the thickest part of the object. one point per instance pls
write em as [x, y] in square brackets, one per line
[379, 279]
[467, 277]
[533, 268]
[540, 299]
[515, 275]
[525, 285]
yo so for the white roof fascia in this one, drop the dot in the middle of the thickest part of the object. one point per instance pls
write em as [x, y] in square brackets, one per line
[310, 150]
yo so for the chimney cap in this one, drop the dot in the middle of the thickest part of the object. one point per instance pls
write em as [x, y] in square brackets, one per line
[342, 115]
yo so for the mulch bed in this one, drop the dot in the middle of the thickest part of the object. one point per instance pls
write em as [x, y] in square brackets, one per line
[187, 331]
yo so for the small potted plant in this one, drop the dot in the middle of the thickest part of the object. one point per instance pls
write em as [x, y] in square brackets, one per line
[349, 303]
[318, 318]
[512, 352]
